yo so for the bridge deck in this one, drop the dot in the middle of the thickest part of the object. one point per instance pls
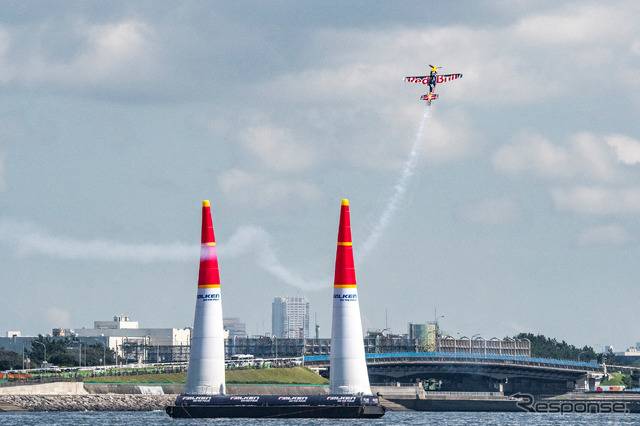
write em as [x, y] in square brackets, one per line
[431, 357]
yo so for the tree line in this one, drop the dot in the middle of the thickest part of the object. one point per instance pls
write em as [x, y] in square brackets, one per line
[547, 347]
[67, 352]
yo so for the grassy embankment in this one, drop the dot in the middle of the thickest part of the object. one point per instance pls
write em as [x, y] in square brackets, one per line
[617, 379]
[281, 376]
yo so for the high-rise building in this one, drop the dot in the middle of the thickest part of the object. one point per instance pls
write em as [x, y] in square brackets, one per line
[235, 327]
[290, 317]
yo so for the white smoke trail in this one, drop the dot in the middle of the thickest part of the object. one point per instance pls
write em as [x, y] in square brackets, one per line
[25, 239]
[257, 240]
[247, 240]
[398, 193]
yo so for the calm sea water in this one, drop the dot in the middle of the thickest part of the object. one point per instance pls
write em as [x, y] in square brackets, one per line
[391, 418]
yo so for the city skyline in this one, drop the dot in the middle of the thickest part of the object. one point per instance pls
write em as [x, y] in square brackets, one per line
[236, 327]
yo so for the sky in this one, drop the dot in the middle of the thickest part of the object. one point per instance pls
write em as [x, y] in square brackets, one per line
[508, 206]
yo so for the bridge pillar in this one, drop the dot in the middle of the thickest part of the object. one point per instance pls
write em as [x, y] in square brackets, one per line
[582, 383]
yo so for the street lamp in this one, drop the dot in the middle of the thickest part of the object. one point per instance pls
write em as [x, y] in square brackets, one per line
[147, 345]
[79, 354]
[45, 349]
[275, 338]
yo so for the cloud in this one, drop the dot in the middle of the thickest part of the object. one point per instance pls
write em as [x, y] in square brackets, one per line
[116, 48]
[278, 149]
[606, 235]
[591, 157]
[491, 211]
[593, 162]
[574, 26]
[585, 155]
[82, 56]
[597, 200]
[445, 142]
[533, 154]
[3, 182]
[5, 43]
[262, 188]
[366, 66]
[627, 149]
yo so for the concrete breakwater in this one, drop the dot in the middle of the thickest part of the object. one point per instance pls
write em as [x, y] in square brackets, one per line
[130, 402]
[76, 396]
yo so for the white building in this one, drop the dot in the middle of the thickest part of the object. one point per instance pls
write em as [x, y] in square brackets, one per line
[290, 317]
[119, 322]
[139, 344]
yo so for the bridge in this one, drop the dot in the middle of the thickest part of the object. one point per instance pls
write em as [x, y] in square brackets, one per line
[477, 372]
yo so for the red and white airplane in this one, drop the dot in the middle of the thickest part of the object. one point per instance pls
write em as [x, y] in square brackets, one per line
[432, 79]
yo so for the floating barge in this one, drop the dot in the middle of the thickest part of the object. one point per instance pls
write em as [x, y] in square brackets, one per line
[274, 406]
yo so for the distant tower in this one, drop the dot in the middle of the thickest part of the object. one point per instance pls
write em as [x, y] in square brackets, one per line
[206, 361]
[348, 367]
[290, 315]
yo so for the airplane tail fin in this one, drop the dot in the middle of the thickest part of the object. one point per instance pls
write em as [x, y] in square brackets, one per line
[429, 97]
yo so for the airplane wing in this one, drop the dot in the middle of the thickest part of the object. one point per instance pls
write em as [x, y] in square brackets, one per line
[418, 79]
[424, 79]
[448, 77]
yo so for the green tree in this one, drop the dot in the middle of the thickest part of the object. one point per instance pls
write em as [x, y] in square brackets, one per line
[66, 359]
[95, 354]
[546, 347]
[56, 349]
[67, 351]
[10, 360]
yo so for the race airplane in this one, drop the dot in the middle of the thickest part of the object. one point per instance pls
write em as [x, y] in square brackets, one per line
[432, 79]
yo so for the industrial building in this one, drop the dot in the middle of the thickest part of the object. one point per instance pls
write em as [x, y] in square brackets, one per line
[427, 338]
[481, 346]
